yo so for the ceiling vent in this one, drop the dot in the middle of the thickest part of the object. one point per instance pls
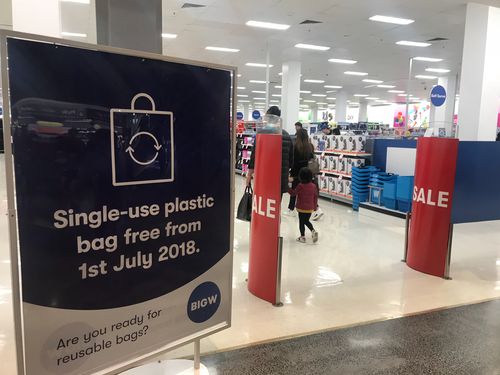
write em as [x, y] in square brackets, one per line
[309, 22]
[438, 39]
[191, 5]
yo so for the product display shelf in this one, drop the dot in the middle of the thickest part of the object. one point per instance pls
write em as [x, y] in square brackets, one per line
[345, 153]
[244, 147]
[336, 173]
[334, 196]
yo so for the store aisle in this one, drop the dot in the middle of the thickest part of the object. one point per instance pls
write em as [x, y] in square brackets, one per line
[458, 341]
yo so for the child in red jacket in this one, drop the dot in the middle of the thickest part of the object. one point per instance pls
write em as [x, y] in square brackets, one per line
[307, 201]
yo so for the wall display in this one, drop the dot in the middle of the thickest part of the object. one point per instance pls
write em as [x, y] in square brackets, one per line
[124, 251]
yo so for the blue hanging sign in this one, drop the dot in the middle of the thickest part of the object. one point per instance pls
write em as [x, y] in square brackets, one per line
[256, 115]
[239, 116]
[438, 96]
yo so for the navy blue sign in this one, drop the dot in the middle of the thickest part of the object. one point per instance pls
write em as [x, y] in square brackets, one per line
[256, 115]
[438, 96]
[122, 195]
[239, 115]
[203, 302]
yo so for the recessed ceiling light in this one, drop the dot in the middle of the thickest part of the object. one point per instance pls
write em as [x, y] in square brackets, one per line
[355, 73]
[413, 44]
[257, 81]
[342, 61]
[241, 88]
[277, 95]
[318, 103]
[371, 98]
[305, 92]
[428, 59]
[319, 95]
[239, 75]
[394, 20]
[243, 101]
[222, 49]
[423, 76]
[259, 98]
[78, 35]
[386, 86]
[268, 25]
[258, 65]
[314, 81]
[274, 101]
[396, 91]
[331, 98]
[278, 87]
[242, 96]
[437, 70]
[332, 87]
[309, 101]
[258, 92]
[312, 46]
[360, 95]
[168, 36]
[372, 81]
[331, 91]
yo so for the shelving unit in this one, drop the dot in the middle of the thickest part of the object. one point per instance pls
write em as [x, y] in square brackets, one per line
[243, 147]
[338, 197]
[345, 153]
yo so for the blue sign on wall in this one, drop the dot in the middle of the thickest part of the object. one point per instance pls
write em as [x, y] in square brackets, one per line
[438, 96]
[256, 115]
[239, 115]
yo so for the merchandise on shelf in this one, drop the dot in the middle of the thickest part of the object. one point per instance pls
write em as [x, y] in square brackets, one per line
[347, 143]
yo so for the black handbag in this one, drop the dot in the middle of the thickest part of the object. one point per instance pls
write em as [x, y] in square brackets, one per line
[245, 206]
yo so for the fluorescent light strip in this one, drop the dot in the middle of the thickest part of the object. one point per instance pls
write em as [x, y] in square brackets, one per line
[222, 49]
[277, 95]
[423, 76]
[241, 88]
[428, 59]
[312, 46]
[305, 92]
[437, 70]
[396, 91]
[309, 101]
[332, 87]
[243, 101]
[331, 98]
[76, 1]
[259, 99]
[413, 44]
[256, 81]
[239, 75]
[258, 65]
[331, 91]
[321, 103]
[386, 86]
[371, 98]
[342, 61]
[314, 81]
[372, 81]
[268, 25]
[278, 87]
[168, 36]
[258, 92]
[360, 95]
[242, 96]
[319, 95]
[349, 73]
[77, 35]
[394, 20]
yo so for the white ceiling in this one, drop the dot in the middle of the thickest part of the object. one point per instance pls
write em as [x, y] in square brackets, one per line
[345, 28]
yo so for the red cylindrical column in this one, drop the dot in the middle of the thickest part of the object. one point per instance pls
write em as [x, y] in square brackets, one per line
[432, 202]
[264, 231]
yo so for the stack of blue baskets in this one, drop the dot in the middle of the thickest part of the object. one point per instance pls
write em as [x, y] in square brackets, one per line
[359, 187]
[397, 194]
[377, 182]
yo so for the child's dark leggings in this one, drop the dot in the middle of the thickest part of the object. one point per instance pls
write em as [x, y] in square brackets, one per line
[304, 222]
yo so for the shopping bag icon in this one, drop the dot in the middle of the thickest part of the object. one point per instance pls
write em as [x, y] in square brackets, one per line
[142, 144]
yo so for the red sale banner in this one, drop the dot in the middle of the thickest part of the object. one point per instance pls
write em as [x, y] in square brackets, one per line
[432, 202]
[264, 231]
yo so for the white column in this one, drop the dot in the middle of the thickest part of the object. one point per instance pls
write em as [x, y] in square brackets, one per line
[314, 109]
[363, 111]
[290, 95]
[341, 107]
[480, 78]
[6, 14]
[442, 117]
[245, 112]
[36, 17]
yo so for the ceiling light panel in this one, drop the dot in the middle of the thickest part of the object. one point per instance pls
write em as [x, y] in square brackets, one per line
[258, 65]
[312, 47]
[350, 73]
[168, 36]
[394, 20]
[372, 81]
[342, 61]
[437, 70]
[386, 86]
[222, 49]
[267, 25]
[428, 59]
[314, 81]
[413, 44]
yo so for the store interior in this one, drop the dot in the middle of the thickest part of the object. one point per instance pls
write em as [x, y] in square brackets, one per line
[358, 74]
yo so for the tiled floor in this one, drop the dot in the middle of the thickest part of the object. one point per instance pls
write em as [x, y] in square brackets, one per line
[353, 275]
[460, 341]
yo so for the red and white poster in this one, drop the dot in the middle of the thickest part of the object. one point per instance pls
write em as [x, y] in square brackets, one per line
[432, 202]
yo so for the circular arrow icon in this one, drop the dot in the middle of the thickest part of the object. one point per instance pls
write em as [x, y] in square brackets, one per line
[131, 150]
